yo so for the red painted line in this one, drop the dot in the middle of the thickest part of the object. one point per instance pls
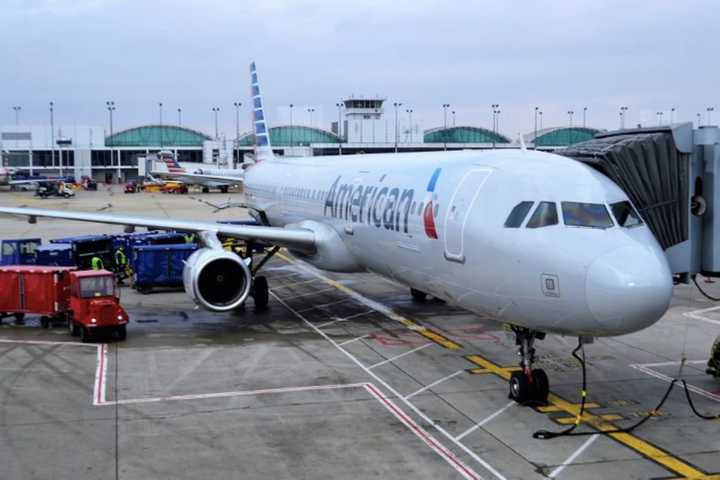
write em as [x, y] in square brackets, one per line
[424, 436]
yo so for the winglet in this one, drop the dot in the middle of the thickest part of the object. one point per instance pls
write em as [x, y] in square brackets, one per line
[263, 149]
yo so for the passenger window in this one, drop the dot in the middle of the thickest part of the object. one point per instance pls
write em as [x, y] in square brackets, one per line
[518, 214]
[544, 216]
[593, 215]
[625, 214]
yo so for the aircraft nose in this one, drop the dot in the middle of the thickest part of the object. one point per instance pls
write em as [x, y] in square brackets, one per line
[628, 289]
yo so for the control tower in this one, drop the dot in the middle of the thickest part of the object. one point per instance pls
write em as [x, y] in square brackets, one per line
[363, 120]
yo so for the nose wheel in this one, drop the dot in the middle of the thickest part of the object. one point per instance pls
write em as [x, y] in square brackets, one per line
[528, 385]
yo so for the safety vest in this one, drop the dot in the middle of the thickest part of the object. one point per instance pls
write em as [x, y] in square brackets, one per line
[120, 258]
[189, 238]
[96, 263]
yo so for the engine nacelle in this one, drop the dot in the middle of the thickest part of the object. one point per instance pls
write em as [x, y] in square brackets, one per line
[216, 279]
[331, 252]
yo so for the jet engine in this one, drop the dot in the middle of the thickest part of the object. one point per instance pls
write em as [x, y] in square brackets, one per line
[216, 279]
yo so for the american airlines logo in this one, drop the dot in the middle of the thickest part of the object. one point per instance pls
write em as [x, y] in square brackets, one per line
[379, 205]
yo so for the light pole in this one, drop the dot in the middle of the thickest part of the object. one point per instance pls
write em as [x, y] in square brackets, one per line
[453, 117]
[659, 117]
[339, 106]
[540, 114]
[179, 117]
[709, 114]
[396, 105]
[111, 108]
[672, 115]
[445, 106]
[161, 129]
[410, 112]
[699, 120]
[537, 109]
[585, 109]
[623, 112]
[311, 111]
[215, 113]
[237, 106]
[52, 134]
[17, 109]
[495, 120]
[291, 125]
[570, 115]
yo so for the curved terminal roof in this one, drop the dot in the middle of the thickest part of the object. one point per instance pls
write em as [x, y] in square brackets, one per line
[296, 135]
[560, 136]
[155, 135]
[463, 134]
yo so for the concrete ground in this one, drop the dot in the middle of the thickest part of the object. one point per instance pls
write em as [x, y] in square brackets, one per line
[343, 377]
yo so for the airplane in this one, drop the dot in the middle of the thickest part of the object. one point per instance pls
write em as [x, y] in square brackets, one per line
[536, 241]
[221, 178]
[6, 178]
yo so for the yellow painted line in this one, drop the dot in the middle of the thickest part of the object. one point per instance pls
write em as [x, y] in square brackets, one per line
[554, 409]
[639, 445]
[644, 448]
[570, 420]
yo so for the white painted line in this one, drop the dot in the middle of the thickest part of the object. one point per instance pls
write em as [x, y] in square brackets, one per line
[394, 392]
[572, 457]
[310, 293]
[100, 367]
[433, 384]
[353, 340]
[697, 315]
[392, 359]
[485, 420]
[294, 284]
[322, 305]
[344, 319]
[660, 376]
[669, 364]
[423, 435]
[100, 376]
[241, 393]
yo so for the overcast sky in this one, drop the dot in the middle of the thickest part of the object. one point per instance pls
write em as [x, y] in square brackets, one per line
[560, 56]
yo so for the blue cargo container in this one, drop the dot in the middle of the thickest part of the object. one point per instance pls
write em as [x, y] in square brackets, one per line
[160, 265]
[85, 247]
[55, 254]
[129, 241]
[20, 251]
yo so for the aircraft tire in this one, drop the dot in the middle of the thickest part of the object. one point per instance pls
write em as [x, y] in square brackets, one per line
[418, 296]
[261, 293]
[520, 388]
[541, 385]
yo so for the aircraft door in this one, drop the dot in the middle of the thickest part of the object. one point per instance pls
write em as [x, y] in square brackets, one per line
[458, 211]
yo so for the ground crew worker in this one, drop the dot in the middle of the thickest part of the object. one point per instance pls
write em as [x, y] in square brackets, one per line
[96, 263]
[189, 237]
[714, 362]
[120, 264]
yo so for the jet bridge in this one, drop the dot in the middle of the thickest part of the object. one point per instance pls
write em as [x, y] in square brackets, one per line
[670, 175]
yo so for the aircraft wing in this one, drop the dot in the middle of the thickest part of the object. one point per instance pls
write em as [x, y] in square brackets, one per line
[198, 178]
[296, 238]
[33, 180]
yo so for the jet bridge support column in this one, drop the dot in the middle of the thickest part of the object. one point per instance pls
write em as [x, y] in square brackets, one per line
[707, 150]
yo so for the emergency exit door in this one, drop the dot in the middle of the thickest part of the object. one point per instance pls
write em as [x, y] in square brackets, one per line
[458, 212]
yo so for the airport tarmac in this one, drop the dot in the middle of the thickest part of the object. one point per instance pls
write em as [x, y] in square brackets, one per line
[343, 377]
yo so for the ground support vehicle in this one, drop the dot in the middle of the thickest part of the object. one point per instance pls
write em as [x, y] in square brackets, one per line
[85, 247]
[160, 266]
[175, 187]
[35, 290]
[714, 361]
[19, 251]
[132, 187]
[54, 189]
[95, 306]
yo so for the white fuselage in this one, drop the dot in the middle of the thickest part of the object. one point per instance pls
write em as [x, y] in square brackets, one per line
[558, 278]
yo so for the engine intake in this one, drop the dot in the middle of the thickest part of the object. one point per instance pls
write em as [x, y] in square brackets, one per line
[216, 279]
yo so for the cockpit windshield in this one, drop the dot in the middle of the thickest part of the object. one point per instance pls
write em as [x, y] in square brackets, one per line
[625, 214]
[593, 215]
[545, 215]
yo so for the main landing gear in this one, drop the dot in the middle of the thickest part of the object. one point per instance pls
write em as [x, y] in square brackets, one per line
[529, 385]
[260, 291]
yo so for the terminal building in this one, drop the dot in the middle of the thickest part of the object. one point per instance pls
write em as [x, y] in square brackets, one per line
[362, 127]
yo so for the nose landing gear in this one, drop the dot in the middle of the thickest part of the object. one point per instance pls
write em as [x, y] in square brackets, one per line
[529, 385]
